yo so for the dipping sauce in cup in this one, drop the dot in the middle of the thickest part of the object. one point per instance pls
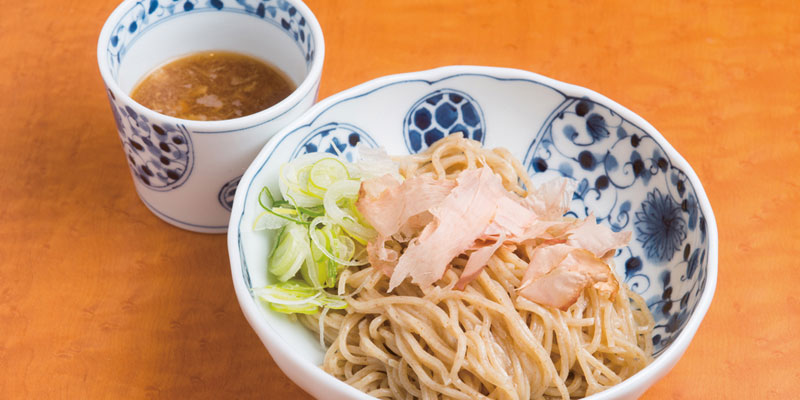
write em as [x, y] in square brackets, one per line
[213, 85]
[186, 166]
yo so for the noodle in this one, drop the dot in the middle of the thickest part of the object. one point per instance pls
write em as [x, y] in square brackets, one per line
[484, 341]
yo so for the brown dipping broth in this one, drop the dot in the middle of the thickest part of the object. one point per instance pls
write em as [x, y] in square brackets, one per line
[213, 85]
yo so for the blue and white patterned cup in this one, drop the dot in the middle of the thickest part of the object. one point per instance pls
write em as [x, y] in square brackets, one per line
[186, 172]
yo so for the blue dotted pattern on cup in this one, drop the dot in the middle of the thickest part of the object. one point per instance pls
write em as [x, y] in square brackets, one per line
[441, 113]
[335, 138]
[160, 157]
[626, 179]
[227, 193]
[147, 13]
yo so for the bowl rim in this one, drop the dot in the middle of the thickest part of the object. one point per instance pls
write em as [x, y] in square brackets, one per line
[290, 363]
[226, 125]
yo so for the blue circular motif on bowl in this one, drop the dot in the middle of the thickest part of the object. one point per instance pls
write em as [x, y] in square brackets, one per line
[159, 156]
[228, 192]
[441, 113]
[335, 138]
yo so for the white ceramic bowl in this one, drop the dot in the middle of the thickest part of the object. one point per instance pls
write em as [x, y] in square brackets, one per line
[629, 177]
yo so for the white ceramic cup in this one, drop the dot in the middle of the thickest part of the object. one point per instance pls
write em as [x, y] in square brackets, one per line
[186, 172]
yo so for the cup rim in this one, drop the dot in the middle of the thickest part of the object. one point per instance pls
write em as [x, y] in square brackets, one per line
[226, 125]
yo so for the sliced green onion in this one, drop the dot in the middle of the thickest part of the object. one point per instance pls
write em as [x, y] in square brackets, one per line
[296, 296]
[290, 252]
[331, 301]
[322, 232]
[320, 271]
[266, 220]
[294, 177]
[289, 293]
[306, 308]
[290, 297]
[304, 183]
[326, 247]
[288, 212]
[326, 171]
[265, 192]
[346, 248]
[312, 211]
[347, 189]
[274, 210]
[315, 269]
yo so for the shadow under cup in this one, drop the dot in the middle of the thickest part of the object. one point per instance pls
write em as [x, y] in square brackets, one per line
[186, 172]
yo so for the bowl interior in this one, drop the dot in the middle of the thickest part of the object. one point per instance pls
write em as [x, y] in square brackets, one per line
[628, 177]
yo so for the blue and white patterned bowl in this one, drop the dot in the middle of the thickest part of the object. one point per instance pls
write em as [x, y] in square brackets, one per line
[628, 176]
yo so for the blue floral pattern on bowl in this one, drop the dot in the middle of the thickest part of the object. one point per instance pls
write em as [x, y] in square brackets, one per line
[228, 192]
[335, 138]
[660, 226]
[148, 13]
[160, 156]
[627, 181]
[440, 113]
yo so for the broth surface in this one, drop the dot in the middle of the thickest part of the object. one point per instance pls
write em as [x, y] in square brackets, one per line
[213, 85]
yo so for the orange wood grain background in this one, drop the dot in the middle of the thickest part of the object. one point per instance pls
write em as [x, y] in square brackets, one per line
[101, 299]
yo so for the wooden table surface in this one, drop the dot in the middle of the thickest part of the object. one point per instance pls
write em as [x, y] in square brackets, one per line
[101, 299]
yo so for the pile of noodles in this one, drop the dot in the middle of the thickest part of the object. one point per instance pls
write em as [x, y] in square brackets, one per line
[484, 341]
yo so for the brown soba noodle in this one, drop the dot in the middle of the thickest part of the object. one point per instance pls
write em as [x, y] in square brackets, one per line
[485, 340]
